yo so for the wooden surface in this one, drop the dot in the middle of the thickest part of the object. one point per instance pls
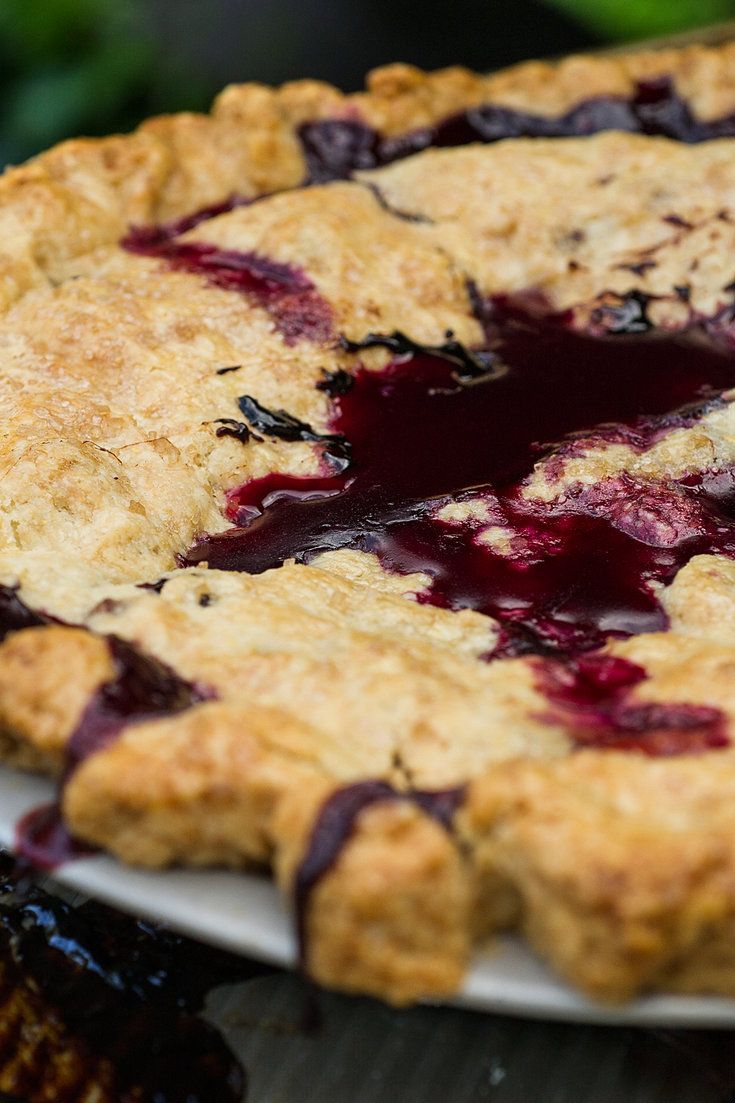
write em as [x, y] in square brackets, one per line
[301, 1046]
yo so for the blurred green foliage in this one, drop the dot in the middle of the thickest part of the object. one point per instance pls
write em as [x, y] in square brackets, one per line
[81, 67]
[630, 19]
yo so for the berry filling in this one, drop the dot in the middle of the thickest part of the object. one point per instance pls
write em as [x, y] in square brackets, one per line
[590, 695]
[560, 576]
[143, 689]
[15, 614]
[150, 240]
[336, 148]
[298, 310]
[43, 839]
[336, 823]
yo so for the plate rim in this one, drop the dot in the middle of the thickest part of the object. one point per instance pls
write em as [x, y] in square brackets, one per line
[250, 918]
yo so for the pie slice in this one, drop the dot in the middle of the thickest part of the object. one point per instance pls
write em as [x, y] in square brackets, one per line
[81, 987]
[368, 511]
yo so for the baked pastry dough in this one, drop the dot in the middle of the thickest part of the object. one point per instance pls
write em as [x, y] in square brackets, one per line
[226, 320]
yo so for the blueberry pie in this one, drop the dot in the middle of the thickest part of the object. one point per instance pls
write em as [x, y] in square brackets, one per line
[368, 511]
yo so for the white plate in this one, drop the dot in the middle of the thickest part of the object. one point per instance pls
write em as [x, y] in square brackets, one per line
[244, 913]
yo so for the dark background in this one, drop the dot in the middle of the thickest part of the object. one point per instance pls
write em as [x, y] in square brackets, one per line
[71, 67]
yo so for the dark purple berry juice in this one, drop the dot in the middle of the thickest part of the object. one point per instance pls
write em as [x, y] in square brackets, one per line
[577, 569]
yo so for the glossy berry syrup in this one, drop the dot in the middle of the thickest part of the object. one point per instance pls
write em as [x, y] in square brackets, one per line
[572, 572]
[119, 996]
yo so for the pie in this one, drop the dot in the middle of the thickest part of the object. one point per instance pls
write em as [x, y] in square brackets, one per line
[368, 511]
[81, 986]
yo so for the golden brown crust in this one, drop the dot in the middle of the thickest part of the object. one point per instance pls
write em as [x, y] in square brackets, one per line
[87, 191]
[401, 97]
[393, 913]
[614, 212]
[38, 1053]
[200, 788]
[317, 648]
[622, 867]
[37, 717]
[620, 870]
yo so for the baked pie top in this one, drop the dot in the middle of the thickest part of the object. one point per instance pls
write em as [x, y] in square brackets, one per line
[368, 510]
